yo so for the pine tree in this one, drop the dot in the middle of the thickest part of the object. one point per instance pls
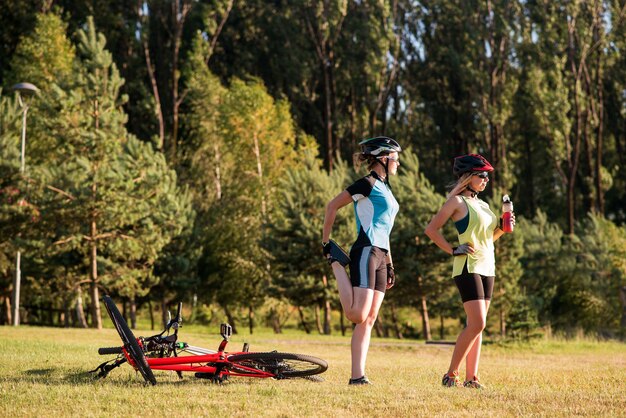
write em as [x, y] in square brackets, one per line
[423, 271]
[302, 276]
[116, 200]
[45, 56]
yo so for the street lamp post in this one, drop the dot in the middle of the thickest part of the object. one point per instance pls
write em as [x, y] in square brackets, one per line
[24, 92]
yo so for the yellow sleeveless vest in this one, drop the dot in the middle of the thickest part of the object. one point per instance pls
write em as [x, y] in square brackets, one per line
[479, 232]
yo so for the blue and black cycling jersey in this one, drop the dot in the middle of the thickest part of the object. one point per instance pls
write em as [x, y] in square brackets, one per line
[375, 209]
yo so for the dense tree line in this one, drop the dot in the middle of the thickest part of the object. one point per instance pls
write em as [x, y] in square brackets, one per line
[186, 149]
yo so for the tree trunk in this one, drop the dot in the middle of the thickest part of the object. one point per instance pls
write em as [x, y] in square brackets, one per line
[303, 321]
[67, 316]
[318, 320]
[50, 316]
[423, 309]
[379, 327]
[251, 319]
[7, 310]
[133, 313]
[502, 323]
[394, 321]
[194, 308]
[231, 319]
[342, 323]
[96, 319]
[323, 44]
[180, 11]
[622, 298]
[573, 153]
[217, 172]
[328, 124]
[164, 312]
[151, 314]
[327, 319]
[155, 88]
[327, 308]
[441, 328]
[259, 168]
[80, 312]
[276, 325]
[599, 32]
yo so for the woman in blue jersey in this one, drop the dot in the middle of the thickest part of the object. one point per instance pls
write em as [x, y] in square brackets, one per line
[474, 261]
[371, 267]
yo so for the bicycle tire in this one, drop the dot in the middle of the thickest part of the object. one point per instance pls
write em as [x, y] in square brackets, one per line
[282, 365]
[110, 350]
[130, 342]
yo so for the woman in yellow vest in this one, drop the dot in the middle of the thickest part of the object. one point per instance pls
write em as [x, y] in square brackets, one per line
[474, 267]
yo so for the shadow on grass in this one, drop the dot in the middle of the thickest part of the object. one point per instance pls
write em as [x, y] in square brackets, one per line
[39, 372]
[58, 376]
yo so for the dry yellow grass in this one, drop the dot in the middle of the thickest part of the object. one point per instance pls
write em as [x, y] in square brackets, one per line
[42, 373]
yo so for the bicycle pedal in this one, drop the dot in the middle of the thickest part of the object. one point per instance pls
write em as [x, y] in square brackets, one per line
[226, 331]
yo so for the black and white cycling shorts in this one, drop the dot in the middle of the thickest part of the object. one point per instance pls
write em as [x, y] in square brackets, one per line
[368, 268]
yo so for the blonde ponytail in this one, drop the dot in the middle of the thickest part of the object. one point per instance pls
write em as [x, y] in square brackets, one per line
[458, 186]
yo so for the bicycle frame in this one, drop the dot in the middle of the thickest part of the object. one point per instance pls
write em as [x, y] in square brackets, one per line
[198, 364]
[161, 352]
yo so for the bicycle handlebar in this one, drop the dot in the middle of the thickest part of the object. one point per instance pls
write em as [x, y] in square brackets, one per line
[109, 350]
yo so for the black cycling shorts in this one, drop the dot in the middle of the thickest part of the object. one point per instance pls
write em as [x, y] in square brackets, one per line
[473, 286]
[368, 268]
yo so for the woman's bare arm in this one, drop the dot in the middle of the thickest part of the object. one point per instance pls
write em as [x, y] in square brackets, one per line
[339, 201]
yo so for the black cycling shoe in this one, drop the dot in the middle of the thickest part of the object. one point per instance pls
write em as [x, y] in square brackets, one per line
[360, 381]
[337, 254]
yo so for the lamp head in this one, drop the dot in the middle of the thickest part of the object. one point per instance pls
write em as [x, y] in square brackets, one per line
[25, 89]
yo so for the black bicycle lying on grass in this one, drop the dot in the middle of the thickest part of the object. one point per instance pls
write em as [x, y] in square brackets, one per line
[164, 352]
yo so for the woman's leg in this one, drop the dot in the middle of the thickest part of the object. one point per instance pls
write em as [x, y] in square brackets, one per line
[473, 356]
[356, 293]
[346, 295]
[363, 330]
[476, 316]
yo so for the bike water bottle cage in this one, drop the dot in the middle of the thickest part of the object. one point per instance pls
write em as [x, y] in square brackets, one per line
[337, 254]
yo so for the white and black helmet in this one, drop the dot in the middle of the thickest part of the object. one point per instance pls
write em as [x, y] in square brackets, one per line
[379, 145]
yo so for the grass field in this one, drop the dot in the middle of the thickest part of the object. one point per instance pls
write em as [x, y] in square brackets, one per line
[42, 373]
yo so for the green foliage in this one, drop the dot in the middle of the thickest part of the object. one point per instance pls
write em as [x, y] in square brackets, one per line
[542, 252]
[258, 139]
[45, 56]
[422, 269]
[294, 235]
[538, 87]
[12, 215]
[103, 187]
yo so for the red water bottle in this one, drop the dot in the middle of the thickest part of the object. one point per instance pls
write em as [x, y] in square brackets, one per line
[507, 211]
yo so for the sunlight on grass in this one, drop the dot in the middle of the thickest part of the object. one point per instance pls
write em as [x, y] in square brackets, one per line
[43, 373]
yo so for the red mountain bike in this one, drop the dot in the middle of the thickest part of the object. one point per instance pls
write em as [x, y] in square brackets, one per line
[164, 352]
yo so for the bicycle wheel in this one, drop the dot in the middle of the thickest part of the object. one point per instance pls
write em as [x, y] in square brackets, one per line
[130, 342]
[282, 365]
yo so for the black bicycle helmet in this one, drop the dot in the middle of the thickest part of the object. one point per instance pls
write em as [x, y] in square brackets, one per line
[378, 145]
[470, 162]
